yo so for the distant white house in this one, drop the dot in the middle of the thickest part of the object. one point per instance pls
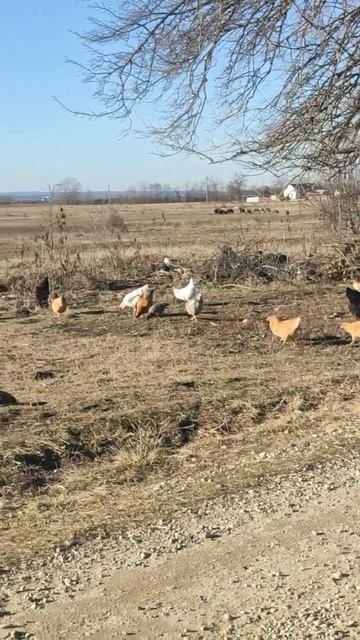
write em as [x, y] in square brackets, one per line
[290, 192]
[295, 191]
[253, 199]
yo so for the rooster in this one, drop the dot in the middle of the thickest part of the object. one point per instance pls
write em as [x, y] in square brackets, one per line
[353, 328]
[132, 297]
[143, 303]
[186, 293]
[41, 292]
[353, 297]
[58, 305]
[283, 329]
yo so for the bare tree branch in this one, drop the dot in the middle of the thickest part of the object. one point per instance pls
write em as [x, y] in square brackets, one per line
[272, 84]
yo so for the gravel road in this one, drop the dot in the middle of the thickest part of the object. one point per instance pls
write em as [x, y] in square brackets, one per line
[281, 561]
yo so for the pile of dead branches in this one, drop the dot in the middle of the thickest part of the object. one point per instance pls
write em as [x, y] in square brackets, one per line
[344, 263]
[232, 265]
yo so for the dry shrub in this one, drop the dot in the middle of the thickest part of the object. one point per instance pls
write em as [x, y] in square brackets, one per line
[231, 265]
[346, 260]
[116, 221]
[70, 268]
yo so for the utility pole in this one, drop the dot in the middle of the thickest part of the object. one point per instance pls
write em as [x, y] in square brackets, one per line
[109, 195]
[206, 189]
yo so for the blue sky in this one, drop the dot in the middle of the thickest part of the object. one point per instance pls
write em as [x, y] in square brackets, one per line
[41, 143]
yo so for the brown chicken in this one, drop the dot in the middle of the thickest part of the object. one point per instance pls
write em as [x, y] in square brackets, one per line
[41, 292]
[144, 303]
[353, 328]
[283, 329]
[58, 305]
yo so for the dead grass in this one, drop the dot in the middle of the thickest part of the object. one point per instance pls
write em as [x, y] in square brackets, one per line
[143, 419]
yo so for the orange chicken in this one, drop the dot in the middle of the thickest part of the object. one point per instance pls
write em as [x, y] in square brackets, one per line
[283, 329]
[58, 305]
[144, 303]
[353, 328]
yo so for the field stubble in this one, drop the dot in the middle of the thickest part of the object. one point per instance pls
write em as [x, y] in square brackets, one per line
[143, 419]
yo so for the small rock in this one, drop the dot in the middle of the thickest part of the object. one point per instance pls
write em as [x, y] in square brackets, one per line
[212, 534]
[227, 617]
[340, 575]
[44, 375]
[22, 313]
[19, 634]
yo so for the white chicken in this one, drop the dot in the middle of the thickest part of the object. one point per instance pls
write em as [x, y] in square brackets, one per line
[186, 293]
[194, 306]
[132, 297]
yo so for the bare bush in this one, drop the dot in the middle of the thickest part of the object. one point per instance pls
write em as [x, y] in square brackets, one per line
[239, 264]
[342, 265]
[116, 221]
[342, 210]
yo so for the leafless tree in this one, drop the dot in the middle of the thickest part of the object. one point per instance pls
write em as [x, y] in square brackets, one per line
[68, 191]
[236, 186]
[271, 84]
[194, 193]
[278, 186]
[155, 190]
[214, 190]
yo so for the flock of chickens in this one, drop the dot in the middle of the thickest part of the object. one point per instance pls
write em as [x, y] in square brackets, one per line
[142, 302]
[285, 329]
[43, 298]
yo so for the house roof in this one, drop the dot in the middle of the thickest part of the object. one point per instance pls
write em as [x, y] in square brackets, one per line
[302, 186]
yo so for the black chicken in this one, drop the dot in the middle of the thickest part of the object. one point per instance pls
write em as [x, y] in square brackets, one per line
[6, 399]
[156, 310]
[41, 292]
[354, 301]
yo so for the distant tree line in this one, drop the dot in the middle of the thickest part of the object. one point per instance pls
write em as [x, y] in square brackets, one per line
[69, 192]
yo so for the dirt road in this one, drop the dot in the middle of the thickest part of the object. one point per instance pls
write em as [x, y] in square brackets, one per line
[278, 562]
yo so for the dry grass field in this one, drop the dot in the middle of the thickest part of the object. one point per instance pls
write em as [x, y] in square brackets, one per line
[141, 419]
